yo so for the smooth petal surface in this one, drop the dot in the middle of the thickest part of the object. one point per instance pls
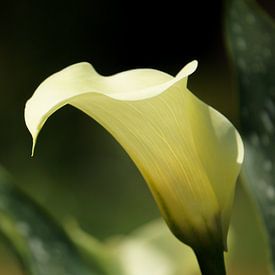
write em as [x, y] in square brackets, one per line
[189, 154]
[81, 78]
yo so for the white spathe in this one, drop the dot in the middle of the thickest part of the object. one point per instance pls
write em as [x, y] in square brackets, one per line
[189, 154]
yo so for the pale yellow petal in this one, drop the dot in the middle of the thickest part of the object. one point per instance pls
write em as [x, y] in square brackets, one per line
[220, 150]
[168, 133]
[156, 132]
[82, 78]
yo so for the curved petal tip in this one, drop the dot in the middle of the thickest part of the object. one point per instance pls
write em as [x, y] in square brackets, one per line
[188, 69]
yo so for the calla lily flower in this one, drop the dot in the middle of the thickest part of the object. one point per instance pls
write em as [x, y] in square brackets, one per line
[189, 154]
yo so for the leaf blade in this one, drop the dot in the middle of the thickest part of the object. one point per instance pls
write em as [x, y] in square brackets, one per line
[250, 35]
[41, 244]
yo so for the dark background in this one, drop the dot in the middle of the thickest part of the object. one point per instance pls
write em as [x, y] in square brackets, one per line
[78, 169]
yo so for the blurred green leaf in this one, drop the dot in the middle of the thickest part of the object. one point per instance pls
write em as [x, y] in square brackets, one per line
[93, 249]
[248, 247]
[152, 249]
[250, 34]
[40, 244]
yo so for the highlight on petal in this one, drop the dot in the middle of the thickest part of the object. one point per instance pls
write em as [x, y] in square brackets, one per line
[82, 78]
[188, 153]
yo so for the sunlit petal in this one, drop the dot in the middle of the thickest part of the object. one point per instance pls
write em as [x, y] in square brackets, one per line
[189, 154]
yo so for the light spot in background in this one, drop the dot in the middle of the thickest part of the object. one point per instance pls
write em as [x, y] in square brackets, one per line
[236, 28]
[258, 65]
[23, 228]
[267, 121]
[266, 37]
[255, 139]
[272, 211]
[250, 18]
[267, 165]
[266, 52]
[3, 204]
[262, 184]
[270, 106]
[270, 192]
[58, 249]
[38, 250]
[241, 63]
[241, 44]
[265, 139]
[142, 258]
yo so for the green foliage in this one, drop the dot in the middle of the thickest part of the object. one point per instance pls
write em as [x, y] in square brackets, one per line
[43, 247]
[248, 247]
[250, 35]
[40, 244]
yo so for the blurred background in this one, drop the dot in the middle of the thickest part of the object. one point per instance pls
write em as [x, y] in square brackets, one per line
[79, 170]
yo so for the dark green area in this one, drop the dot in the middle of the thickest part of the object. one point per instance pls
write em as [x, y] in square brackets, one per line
[251, 38]
[40, 244]
[78, 169]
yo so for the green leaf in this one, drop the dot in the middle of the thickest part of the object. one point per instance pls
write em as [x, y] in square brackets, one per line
[246, 250]
[250, 34]
[152, 249]
[40, 244]
[93, 249]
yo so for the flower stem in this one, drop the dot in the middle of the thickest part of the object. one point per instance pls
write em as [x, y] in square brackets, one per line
[211, 261]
